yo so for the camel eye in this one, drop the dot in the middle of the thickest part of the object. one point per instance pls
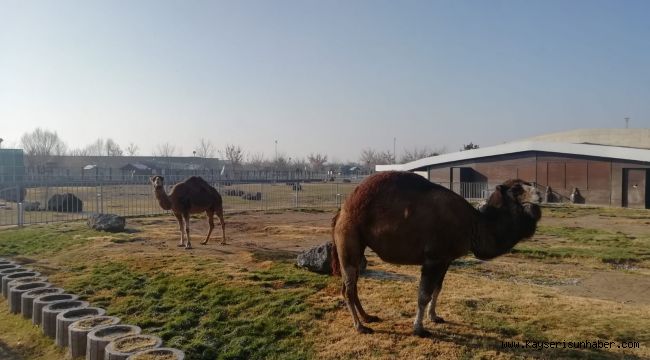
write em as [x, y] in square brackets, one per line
[517, 190]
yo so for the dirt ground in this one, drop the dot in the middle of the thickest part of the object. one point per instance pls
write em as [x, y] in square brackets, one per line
[514, 285]
[286, 234]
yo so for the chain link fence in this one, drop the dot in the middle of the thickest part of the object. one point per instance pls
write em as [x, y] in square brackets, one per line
[56, 200]
[53, 201]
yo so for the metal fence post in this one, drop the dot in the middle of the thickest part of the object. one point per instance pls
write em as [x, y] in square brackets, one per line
[21, 214]
[101, 197]
[338, 197]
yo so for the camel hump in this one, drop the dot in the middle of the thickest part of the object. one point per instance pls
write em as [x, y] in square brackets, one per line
[198, 182]
[389, 183]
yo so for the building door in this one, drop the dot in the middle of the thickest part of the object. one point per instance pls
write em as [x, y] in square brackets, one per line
[635, 188]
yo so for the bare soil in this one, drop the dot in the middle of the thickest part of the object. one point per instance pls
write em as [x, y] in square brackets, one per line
[560, 298]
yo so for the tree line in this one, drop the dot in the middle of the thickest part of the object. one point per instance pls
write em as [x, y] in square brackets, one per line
[46, 143]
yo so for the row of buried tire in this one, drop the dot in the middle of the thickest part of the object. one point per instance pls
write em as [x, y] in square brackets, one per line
[85, 330]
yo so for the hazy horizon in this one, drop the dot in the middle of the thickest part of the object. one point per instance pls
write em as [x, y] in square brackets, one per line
[320, 77]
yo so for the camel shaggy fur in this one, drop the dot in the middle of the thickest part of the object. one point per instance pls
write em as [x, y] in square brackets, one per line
[406, 219]
[192, 196]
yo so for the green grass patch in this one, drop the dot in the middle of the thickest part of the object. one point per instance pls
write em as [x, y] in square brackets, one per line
[34, 240]
[573, 211]
[609, 247]
[209, 315]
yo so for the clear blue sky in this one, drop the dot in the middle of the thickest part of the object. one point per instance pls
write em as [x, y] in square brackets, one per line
[321, 76]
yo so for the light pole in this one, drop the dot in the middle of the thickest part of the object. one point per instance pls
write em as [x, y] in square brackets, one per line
[276, 150]
[394, 153]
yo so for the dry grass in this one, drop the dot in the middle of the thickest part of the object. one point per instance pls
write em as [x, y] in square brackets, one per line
[238, 288]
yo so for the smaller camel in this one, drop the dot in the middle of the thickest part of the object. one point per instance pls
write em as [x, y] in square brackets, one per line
[192, 196]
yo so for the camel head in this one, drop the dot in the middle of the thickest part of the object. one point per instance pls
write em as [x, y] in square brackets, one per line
[516, 196]
[514, 212]
[157, 181]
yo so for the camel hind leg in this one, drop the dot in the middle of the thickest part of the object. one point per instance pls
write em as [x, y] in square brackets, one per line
[364, 315]
[186, 217]
[349, 251]
[223, 224]
[210, 214]
[433, 272]
[181, 227]
[434, 297]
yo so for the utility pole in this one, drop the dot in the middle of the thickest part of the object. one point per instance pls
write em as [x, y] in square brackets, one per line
[394, 153]
[627, 122]
[276, 150]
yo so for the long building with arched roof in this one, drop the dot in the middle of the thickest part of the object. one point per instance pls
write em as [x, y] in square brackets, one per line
[607, 166]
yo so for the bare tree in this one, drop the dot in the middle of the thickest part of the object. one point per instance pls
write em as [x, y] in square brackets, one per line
[281, 162]
[42, 143]
[300, 163]
[371, 157]
[317, 161]
[386, 157]
[112, 148]
[368, 157]
[132, 149]
[234, 154]
[80, 152]
[206, 149]
[165, 150]
[470, 146]
[419, 153]
[256, 159]
[96, 148]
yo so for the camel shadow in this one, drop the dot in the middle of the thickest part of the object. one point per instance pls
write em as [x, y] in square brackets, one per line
[448, 333]
[387, 275]
[7, 354]
[261, 253]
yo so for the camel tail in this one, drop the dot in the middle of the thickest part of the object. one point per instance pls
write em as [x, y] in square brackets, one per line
[336, 266]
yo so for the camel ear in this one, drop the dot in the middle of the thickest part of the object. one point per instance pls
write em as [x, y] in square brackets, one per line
[496, 199]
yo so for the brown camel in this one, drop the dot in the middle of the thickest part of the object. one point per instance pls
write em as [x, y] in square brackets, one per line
[406, 219]
[192, 196]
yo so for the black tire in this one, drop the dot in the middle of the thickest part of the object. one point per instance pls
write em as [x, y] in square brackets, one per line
[51, 311]
[44, 300]
[121, 348]
[16, 292]
[67, 317]
[78, 333]
[27, 299]
[100, 337]
[160, 352]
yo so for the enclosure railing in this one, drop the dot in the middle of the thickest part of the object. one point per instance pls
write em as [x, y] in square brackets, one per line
[56, 200]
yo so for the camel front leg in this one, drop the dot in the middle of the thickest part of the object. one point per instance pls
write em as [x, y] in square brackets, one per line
[432, 274]
[349, 274]
[223, 225]
[210, 215]
[366, 318]
[186, 217]
[434, 298]
[181, 228]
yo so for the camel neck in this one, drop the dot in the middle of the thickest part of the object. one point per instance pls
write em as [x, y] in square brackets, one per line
[493, 235]
[163, 198]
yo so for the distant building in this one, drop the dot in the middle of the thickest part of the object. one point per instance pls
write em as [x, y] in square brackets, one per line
[12, 165]
[139, 169]
[116, 167]
[607, 170]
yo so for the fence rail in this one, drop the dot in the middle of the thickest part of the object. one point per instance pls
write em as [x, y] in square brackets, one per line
[54, 201]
